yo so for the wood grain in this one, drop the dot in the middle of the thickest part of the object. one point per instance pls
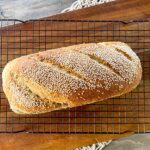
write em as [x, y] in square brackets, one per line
[51, 142]
[120, 115]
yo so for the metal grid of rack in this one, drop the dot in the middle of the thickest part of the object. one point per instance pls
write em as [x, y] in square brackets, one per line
[130, 112]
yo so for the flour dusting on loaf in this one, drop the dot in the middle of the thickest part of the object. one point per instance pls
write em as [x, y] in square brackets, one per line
[70, 76]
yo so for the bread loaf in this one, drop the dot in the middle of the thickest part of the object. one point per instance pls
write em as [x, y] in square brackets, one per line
[70, 76]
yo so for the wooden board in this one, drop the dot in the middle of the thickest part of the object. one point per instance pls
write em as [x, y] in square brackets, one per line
[119, 108]
[51, 142]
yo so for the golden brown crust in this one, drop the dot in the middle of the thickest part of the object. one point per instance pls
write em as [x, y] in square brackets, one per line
[70, 76]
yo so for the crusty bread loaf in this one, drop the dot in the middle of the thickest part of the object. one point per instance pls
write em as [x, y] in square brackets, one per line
[70, 76]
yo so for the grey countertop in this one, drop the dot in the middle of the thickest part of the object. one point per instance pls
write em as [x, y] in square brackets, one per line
[134, 142]
[29, 9]
[24, 10]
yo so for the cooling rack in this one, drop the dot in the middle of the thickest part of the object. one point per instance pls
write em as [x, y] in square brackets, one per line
[128, 113]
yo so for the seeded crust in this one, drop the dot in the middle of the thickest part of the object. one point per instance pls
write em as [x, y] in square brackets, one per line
[70, 76]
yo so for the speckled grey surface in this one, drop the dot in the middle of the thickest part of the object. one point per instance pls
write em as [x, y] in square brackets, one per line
[26, 9]
[134, 142]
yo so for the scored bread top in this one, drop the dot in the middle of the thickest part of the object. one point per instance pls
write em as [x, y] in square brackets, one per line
[70, 76]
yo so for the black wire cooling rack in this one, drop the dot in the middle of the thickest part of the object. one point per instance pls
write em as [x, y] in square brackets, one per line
[128, 113]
